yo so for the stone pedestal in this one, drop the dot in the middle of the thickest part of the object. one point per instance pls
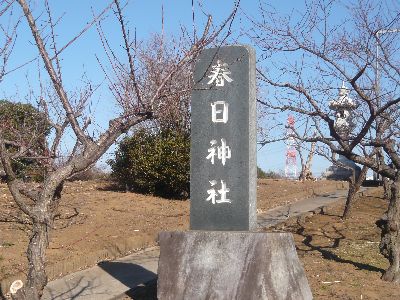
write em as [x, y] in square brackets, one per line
[339, 173]
[230, 265]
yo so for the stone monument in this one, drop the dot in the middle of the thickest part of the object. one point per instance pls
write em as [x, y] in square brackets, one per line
[223, 141]
[220, 258]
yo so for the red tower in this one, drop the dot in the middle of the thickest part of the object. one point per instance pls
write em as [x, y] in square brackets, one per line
[291, 153]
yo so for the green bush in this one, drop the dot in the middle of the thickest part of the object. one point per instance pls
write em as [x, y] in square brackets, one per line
[23, 124]
[154, 163]
[267, 175]
[261, 173]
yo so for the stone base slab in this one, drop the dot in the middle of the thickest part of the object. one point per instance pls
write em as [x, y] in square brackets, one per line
[230, 265]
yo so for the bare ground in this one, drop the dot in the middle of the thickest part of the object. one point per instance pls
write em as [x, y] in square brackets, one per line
[341, 258]
[101, 223]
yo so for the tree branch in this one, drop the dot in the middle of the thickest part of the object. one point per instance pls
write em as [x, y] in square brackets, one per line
[83, 138]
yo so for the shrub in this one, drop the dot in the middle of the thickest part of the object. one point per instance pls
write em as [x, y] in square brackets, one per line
[261, 173]
[154, 162]
[24, 125]
[274, 175]
[269, 174]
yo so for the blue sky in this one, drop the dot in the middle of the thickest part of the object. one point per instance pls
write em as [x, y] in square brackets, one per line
[145, 18]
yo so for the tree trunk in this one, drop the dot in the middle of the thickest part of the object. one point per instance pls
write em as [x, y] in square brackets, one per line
[302, 176]
[385, 180]
[36, 253]
[386, 188]
[350, 196]
[306, 173]
[302, 172]
[390, 235]
[354, 187]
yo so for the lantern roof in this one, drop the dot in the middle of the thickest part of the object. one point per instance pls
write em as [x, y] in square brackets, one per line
[343, 102]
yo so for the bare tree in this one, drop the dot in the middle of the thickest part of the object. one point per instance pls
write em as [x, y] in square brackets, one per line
[305, 162]
[355, 179]
[8, 34]
[305, 173]
[157, 56]
[354, 186]
[309, 55]
[267, 135]
[139, 97]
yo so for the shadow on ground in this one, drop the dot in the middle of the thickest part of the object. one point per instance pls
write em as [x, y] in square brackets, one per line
[146, 291]
[326, 252]
[2, 294]
[74, 290]
[129, 274]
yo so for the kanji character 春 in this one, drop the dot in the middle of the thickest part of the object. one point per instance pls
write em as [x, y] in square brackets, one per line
[219, 74]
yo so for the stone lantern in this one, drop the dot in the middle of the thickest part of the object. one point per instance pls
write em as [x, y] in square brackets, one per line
[343, 107]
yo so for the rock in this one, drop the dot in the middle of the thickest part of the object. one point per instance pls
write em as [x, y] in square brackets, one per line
[230, 265]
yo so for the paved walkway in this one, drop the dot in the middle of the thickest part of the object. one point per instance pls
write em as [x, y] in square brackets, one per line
[281, 213]
[111, 279]
[107, 280]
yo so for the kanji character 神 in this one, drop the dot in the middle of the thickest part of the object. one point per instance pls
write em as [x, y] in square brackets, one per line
[222, 152]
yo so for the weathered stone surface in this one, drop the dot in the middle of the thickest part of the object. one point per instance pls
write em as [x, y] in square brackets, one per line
[340, 173]
[239, 132]
[230, 265]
